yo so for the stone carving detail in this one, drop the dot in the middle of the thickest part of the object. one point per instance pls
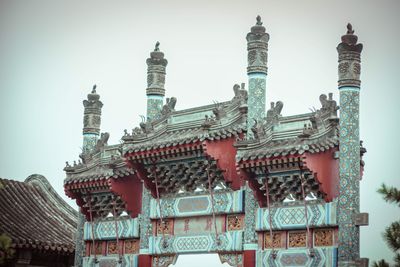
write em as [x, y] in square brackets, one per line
[297, 239]
[146, 227]
[208, 122]
[131, 246]
[349, 67]
[164, 261]
[154, 108]
[323, 237]
[258, 130]
[102, 142]
[92, 113]
[156, 72]
[256, 102]
[251, 205]
[257, 46]
[112, 247]
[328, 108]
[233, 259]
[79, 243]
[166, 228]
[235, 222]
[169, 106]
[218, 111]
[276, 240]
[240, 92]
[349, 173]
[274, 113]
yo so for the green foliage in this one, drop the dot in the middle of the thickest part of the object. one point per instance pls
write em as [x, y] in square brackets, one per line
[381, 263]
[6, 251]
[390, 194]
[392, 232]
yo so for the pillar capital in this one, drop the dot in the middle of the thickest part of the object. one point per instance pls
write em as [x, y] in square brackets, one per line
[257, 47]
[349, 68]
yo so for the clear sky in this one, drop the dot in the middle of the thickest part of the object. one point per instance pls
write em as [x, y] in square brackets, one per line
[52, 52]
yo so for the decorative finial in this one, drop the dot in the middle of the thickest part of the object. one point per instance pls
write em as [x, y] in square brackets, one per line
[350, 29]
[94, 89]
[157, 48]
[259, 22]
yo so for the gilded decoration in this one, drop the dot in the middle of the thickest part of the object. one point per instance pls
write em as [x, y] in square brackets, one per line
[323, 237]
[165, 228]
[297, 239]
[131, 246]
[112, 247]
[276, 240]
[235, 222]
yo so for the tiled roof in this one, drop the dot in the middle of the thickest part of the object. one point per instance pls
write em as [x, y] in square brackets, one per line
[34, 216]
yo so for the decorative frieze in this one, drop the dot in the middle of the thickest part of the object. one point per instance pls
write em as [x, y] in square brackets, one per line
[293, 217]
[205, 243]
[323, 237]
[235, 222]
[112, 261]
[278, 240]
[131, 246]
[233, 259]
[297, 239]
[323, 257]
[105, 230]
[198, 205]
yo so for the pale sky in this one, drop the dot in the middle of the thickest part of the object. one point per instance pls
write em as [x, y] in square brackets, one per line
[52, 52]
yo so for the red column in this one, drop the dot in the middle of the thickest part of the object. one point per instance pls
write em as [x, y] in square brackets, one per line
[249, 258]
[144, 260]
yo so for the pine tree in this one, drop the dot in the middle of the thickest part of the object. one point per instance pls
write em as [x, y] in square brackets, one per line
[6, 251]
[392, 232]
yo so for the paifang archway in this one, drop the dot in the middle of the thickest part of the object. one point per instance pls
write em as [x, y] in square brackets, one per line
[255, 187]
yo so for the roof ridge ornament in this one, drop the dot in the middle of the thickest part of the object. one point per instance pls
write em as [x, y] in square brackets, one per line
[157, 47]
[259, 22]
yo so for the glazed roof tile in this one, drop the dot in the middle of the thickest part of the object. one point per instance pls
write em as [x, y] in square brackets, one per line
[33, 215]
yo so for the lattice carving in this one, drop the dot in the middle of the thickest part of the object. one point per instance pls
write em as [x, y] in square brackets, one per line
[131, 246]
[235, 222]
[297, 239]
[164, 261]
[277, 241]
[165, 228]
[323, 237]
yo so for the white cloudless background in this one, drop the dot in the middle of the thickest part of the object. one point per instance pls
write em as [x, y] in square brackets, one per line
[53, 51]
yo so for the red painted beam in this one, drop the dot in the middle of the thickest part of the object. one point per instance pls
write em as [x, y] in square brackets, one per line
[145, 261]
[249, 258]
[130, 189]
[225, 154]
[326, 170]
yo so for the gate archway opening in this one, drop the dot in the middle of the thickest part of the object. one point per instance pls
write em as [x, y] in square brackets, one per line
[199, 260]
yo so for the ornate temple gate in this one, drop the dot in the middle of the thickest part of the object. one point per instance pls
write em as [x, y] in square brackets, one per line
[255, 187]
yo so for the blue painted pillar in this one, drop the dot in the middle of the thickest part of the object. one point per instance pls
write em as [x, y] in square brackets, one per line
[257, 57]
[91, 132]
[155, 91]
[349, 144]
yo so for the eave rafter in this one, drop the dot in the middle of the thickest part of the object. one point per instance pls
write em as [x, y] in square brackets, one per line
[285, 177]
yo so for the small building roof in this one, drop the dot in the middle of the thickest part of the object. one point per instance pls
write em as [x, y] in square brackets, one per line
[34, 216]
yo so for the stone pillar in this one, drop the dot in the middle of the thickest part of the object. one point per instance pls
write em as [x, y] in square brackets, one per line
[91, 132]
[91, 121]
[257, 56]
[250, 235]
[349, 144]
[155, 91]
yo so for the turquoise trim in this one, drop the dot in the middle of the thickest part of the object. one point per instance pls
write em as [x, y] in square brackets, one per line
[349, 88]
[257, 75]
[158, 97]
